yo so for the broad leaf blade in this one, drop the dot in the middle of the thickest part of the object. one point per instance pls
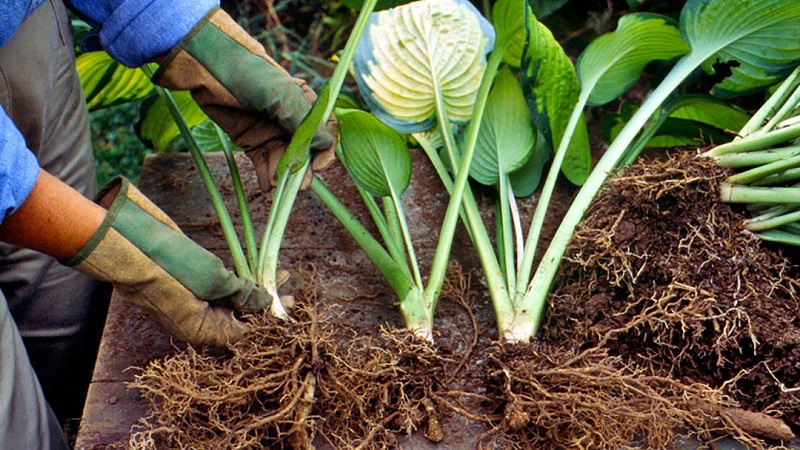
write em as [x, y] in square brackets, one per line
[411, 53]
[158, 129]
[375, 155]
[509, 23]
[710, 111]
[612, 63]
[209, 139]
[107, 83]
[551, 90]
[685, 120]
[298, 152]
[525, 180]
[760, 38]
[506, 137]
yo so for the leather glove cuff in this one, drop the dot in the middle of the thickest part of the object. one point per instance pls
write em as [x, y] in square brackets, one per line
[237, 84]
[146, 257]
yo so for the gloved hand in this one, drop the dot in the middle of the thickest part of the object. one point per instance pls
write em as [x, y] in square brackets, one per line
[145, 256]
[245, 92]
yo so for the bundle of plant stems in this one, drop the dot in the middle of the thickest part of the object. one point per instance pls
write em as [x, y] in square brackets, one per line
[768, 147]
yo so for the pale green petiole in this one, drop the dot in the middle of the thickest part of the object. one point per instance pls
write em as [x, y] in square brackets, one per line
[779, 178]
[461, 196]
[757, 141]
[768, 169]
[531, 308]
[755, 124]
[290, 181]
[779, 217]
[247, 223]
[283, 200]
[406, 235]
[228, 230]
[756, 158]
[734, 193]
[416, 310]
[791, 237]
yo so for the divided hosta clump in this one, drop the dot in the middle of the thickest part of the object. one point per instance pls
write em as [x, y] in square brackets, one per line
[661, 276]
[666, 317]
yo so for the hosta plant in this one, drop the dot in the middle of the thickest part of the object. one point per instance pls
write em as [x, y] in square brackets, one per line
[108, 83]
[403, 74]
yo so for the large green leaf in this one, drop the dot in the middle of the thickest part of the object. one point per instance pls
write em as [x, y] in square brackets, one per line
[210, 139]
[551, 90]
[413, 54]
[760, 40]
[375, 155]
[106, 82]
[612, 63]
[506, 137]
[525, 180]
[686, 120]
[710, 111]
[298, 152]
[158, 129]
[509, 23]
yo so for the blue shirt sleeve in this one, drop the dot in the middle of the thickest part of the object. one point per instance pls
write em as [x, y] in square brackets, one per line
[135, 31]
[18, 167]
[12, 13]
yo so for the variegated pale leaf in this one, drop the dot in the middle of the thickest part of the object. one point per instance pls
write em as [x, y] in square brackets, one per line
[410, 53]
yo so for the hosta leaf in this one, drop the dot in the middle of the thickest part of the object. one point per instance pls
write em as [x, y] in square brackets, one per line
[210, 138]
[158, 129]
[685, 120]
[375, 155]
[612, 63]
[710, 111]
[298, 152]
[759, 40]
[410, 54]
[509, 23]
[506, 137]
[551, 89]
[106, 82]
[526, 179]
[686, 133]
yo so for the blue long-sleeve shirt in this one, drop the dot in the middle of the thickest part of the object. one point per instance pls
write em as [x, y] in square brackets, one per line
[131, 31]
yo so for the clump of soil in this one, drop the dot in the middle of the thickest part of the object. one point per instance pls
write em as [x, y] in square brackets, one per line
[661, 275]
[666, 318]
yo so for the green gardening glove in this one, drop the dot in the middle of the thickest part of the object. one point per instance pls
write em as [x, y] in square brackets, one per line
[243, 90]
[145, 256]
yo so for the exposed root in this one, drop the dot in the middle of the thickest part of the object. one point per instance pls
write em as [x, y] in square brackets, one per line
[667, 319]
[289, 384]
[593, 402]
[663, 281]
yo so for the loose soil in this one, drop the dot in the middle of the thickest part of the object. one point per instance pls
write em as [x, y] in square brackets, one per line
[666, 319]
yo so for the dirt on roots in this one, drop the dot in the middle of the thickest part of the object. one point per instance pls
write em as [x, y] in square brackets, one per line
[666, 319]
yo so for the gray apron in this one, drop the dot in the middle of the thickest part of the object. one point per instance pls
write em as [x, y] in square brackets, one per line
[59, 312]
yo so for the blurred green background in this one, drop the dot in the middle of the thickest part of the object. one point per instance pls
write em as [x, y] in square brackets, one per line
[303, 35]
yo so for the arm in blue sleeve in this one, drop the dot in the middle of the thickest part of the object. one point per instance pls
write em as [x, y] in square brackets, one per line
[18, 167]
[136, 31]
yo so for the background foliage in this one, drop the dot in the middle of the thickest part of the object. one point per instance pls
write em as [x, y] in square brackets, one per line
[304, 35]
